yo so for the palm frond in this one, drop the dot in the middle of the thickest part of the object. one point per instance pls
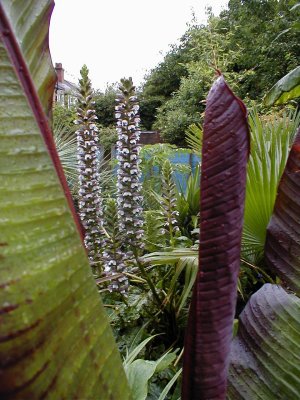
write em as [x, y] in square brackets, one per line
[270, 145]
[188, 265]
[193, 137]
[66, 145]
[170, 257]
[185, 261]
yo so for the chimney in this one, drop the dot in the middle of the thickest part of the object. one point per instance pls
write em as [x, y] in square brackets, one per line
[59, 72]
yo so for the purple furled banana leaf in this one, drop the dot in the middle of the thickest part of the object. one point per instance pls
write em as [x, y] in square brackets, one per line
[265, 355]
[55, 338]
[282, 250]
[224, 158]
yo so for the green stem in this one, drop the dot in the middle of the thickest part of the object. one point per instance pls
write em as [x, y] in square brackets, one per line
[269, 279]
[135, 277]
[147, 278]
[179, 357]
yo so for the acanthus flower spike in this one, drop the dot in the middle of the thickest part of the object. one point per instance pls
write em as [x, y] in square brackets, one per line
[89, 195]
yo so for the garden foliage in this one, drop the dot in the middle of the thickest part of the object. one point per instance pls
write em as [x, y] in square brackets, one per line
[55, 338]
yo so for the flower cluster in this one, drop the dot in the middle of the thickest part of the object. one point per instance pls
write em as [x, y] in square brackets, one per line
[114, 257]
[128, 186]
[89, 194]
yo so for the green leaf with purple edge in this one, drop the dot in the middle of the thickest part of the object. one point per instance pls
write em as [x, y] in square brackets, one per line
[55, 339]
[282, 249]
[32, 34]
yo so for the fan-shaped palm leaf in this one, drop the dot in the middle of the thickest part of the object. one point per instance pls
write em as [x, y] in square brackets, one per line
[66, 145]
[194, 137]
[270, 144]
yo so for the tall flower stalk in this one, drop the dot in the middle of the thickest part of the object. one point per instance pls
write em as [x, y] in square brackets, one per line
[168, 203]
[129, 196]
[89, 194]
[114, 257]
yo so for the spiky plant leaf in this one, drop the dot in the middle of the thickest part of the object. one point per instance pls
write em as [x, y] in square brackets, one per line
[153, 230]
[168, 387]
[139, 372]
[185, 261]
[55, 337]
[188, 265]
[223, 180]
[194, 138]
[192, 191]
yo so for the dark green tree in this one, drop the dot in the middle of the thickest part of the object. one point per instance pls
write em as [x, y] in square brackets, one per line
[270, 49]
[252, 43]
[208, 49]
[148, 110]
[165, 78]
[105, 106]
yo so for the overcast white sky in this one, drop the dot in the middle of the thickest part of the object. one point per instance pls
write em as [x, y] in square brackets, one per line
[119, 38]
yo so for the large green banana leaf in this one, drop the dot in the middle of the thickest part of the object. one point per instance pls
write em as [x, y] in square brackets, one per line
[283, 242]
[55, 339]
[287, 88]
[265, 356]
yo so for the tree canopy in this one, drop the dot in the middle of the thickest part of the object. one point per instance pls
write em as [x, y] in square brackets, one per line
[251, 42]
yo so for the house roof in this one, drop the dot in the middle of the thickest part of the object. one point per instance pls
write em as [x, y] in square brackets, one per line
[67, 87]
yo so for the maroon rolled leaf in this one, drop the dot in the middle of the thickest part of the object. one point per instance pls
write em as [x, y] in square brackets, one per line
[223, 181]
[282, 249]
